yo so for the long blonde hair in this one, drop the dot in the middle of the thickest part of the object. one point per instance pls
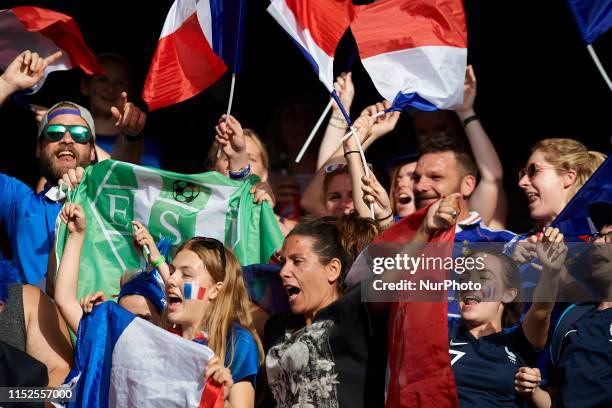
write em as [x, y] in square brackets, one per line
[230, 306]
[570, 154]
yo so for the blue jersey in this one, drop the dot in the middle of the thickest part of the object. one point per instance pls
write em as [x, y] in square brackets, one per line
[484, 368]
[245, 362]
[583, 375]
[29, 219]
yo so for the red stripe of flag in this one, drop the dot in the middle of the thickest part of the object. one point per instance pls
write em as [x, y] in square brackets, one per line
[184, 65]
[391, 25]
[63, 31]
[420, 370]
[326, 20]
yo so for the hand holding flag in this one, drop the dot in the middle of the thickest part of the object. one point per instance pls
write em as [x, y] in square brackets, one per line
[230, 137]
[129, 119]
[346, 92]
[89, 301]
[385, 122]
[219, 374]
[26, 70]
[73, 216]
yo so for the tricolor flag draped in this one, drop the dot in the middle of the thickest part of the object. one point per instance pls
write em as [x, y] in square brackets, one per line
[416, 381]
[414, 51]
[124, 361]
[316, 26]
[44, 32]
[199, 42]
[171, 205]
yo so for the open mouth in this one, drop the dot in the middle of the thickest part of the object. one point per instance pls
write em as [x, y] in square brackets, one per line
[292, 291]
[66, 156]
[471, 300]
[532, 197]
[174, 301]
[404, 199]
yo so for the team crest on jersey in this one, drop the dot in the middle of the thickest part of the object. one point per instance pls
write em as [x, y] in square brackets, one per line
[511, 355]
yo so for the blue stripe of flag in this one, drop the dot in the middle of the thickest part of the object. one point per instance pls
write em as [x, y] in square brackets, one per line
[227, 31]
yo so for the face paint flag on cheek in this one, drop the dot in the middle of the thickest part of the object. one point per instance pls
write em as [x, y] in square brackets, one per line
[193, 291]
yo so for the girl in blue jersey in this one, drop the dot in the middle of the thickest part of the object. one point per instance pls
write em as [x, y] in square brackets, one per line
[487, 344]
[216, 313]
[220, 311]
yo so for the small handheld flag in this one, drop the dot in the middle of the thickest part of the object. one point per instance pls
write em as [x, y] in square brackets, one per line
[44, 31]
[200, 40]
[414, 51]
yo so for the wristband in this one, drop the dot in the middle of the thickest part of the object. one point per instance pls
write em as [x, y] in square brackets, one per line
[469, 119]
[158, 261]
[129, 138]
[386, 218]
[241, 173]
[351, 151]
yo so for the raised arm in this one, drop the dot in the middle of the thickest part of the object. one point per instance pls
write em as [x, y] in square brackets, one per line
[130, 122]
[337, 126]
[551, 251]
[489, 197]
[363, 126]
[67, 278]
[231, 138]
[142, 237]
[381, 126]
[26, 70]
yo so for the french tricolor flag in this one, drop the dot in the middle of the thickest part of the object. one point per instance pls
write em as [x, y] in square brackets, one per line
[44, 32]
[124, 361]
[200, 40]
[316, 26]
[414, 50]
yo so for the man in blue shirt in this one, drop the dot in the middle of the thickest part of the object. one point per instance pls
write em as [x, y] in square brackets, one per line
[65, 141]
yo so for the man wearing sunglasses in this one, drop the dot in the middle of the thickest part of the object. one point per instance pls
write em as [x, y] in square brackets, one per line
[66, 136]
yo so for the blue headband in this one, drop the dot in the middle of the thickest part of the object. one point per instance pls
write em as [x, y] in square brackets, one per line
[63, 111]
[147, 284]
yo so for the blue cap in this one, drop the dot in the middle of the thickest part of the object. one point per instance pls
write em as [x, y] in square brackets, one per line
[147, 284]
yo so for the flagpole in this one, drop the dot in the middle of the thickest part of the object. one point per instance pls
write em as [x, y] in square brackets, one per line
[314, 130]
[346, 136]
[600, 67]
[354, 133]
[229, 107]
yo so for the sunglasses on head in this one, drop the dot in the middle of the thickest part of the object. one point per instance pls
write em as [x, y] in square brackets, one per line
[212, 243]
[79, 133]
[532, 169]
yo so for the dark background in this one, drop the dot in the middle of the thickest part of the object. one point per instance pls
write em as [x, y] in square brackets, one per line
[535, 80]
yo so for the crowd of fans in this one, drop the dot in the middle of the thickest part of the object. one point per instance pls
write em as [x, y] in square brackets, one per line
[330, 350]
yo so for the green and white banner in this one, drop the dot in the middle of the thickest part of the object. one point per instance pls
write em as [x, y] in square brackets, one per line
[172, 205]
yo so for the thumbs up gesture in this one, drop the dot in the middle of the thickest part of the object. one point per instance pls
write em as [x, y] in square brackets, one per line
[129, 119]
